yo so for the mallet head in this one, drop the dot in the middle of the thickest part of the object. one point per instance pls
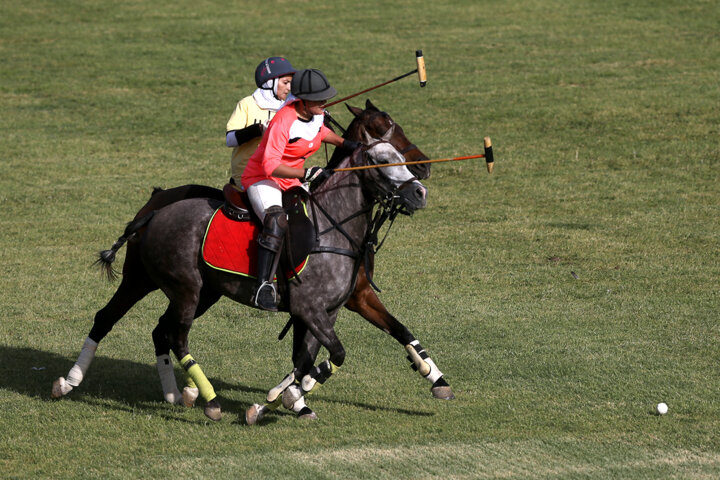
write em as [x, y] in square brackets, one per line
[422, 75]
[489, 160]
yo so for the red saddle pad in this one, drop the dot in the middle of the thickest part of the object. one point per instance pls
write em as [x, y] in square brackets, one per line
[230, 246]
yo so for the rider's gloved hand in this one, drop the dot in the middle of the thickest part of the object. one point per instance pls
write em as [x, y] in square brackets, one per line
[317, 175]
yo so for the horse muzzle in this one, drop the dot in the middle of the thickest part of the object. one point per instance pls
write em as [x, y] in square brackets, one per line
[421, 171]
[413, 196]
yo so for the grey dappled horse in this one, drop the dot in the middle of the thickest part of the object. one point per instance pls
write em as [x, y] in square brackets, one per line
[169, 241]
[370, 122]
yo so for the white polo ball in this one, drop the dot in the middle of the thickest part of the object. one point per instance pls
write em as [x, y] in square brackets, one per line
[661, 408]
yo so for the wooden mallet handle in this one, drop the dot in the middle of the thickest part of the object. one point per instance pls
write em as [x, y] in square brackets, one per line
[422, 75]
[489, 160]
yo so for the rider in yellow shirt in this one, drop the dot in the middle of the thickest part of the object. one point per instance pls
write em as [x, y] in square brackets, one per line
[273, 77]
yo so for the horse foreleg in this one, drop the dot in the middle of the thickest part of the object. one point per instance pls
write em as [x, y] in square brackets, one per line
[305, 351]
[279, 393]
[365, 302]
[305, 378]
[273, 401]
[321, 330]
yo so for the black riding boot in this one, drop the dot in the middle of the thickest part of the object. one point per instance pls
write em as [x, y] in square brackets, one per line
[270, 240]
[265, 295]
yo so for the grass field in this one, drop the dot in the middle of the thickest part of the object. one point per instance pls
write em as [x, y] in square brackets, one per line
[605, 123]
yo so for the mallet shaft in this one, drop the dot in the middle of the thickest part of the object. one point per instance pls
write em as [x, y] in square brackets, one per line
[383, 165]
[420, 70]
[369, 89]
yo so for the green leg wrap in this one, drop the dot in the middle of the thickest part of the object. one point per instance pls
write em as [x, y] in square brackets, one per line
[272, 406]
[198, 377]
[189, 382]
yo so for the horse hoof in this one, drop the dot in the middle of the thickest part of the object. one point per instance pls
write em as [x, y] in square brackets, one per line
[213, 410]
[60, 388]
[254, 414]
[189, 396]
[174, 398]
[291, 395]
[443, 393]
[307, 414]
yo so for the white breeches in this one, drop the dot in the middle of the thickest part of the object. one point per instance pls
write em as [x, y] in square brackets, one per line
[263, 195]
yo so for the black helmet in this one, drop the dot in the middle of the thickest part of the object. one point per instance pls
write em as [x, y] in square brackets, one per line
[312, 84]
[272, 67]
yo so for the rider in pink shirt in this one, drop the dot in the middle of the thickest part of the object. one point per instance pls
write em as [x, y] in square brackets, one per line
[288, 141]
[293, 135]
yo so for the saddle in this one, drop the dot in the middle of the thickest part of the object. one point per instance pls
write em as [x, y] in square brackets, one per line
[230, 242]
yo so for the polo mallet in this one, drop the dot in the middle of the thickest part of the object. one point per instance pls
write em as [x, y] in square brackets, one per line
[488, 156]
[422, 77]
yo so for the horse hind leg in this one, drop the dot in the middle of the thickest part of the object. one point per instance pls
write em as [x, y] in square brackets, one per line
[165, 367]
[177, 336]
[128, 294]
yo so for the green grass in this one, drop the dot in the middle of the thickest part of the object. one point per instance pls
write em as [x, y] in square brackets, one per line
[605, 122]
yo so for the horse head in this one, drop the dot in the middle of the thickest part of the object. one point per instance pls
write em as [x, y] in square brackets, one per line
[377, 124]
[394, 184]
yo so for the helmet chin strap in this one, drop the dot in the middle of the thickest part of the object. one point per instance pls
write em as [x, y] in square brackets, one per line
[306, 111]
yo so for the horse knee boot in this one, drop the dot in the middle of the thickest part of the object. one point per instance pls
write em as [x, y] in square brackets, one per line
[270, 241]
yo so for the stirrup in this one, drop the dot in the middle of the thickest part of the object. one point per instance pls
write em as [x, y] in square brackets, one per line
[262, 298]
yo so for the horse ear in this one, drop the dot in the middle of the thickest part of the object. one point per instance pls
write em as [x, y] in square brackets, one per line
[369, 106]
[354, 110]
[388, 135]
[367, 138]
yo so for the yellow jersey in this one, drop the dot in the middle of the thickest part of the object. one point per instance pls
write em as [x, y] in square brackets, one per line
[246, 113]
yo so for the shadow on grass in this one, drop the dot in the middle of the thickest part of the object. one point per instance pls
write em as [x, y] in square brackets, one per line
[122, 384]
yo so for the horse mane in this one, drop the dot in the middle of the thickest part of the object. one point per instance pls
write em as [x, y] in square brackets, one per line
[351, 132]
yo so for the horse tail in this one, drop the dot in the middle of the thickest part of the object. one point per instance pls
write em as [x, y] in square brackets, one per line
[107, 257]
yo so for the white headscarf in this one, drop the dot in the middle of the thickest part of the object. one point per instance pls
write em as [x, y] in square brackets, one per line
[266, 97]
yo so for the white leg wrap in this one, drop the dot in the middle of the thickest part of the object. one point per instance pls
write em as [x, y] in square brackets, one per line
[299, 405]
[278, 390]
[87, 354]
[425, 366]
[290, 396]
[308, 383]
[168, 380]
[435, 372]
[60, 388]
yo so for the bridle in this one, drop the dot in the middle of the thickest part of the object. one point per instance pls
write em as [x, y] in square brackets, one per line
[409, 148]
[388, 208]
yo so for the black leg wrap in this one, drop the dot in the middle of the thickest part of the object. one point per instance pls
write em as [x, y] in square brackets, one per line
[440, 382]
[322, 372]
